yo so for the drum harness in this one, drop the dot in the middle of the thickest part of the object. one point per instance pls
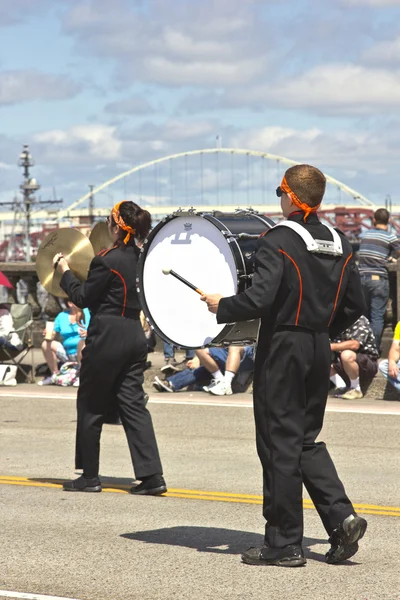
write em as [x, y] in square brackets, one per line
[315, 246]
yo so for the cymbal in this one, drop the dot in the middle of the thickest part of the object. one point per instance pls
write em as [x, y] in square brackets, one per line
[100, 238]
[77, 250]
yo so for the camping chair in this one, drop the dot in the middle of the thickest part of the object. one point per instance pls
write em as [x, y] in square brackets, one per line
[22, 319]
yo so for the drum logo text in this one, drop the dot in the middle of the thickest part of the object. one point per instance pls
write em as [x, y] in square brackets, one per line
[187, 226]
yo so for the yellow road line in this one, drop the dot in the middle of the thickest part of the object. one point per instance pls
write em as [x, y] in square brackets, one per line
[371, 509]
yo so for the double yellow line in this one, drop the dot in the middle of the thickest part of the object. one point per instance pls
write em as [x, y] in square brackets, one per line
[371, 509]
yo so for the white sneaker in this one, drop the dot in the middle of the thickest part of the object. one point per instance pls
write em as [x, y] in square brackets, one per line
[353, 394]
[221, 388]
[207, 388]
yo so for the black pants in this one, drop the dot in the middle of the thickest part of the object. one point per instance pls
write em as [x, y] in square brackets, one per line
[290, 391]
[111, 379]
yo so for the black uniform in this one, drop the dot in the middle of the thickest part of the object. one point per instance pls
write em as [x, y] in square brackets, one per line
[113, 360]
[302, 299]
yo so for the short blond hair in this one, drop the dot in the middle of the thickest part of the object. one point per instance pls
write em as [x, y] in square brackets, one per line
[307, 182]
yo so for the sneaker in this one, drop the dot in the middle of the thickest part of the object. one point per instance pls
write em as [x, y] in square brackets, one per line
[154, 485]
[170, 366]
[344, 539]
[353, 394]
[47, 380]
[221, 388]
[83, 484]
[214, 382]
[338, 392]
[289, 556]
[162, 386]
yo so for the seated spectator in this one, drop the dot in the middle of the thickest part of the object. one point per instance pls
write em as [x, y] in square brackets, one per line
[221, 371]
[170, 364]
[72, 331]
[8, 337]
[390, 367]
[355, 362]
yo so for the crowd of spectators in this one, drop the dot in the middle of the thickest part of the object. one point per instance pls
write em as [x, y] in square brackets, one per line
[227, 370]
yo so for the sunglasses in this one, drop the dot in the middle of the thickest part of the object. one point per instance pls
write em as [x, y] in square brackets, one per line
[279, 192]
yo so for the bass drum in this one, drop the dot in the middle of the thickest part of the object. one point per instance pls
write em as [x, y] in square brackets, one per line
[215, 252]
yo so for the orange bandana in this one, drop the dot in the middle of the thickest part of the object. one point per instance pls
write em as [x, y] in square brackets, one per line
[121, 223]
[302, 205]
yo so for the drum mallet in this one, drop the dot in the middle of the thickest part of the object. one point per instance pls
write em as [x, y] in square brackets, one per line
[185, 281]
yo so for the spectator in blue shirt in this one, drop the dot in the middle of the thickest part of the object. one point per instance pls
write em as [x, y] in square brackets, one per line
[376, 247]
[72, 330]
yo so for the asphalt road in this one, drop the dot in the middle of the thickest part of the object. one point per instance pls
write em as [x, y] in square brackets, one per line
[186, 545]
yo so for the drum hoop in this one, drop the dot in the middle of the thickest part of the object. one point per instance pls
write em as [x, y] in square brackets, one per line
[240, 271]
[264, 219]
[141, 294]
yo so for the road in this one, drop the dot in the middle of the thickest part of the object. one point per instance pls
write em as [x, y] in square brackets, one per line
[186, 545]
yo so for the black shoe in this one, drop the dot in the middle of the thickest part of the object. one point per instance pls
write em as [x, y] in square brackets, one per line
[82, 484]
[150, 486]
[344, 539]
[170, 367]
[289, 556]
[162, 386]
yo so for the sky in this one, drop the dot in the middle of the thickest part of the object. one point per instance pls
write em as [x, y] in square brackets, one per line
[96, 87]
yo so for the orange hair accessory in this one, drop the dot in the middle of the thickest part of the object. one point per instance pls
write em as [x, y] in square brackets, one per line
[121, 223]
[285, 187]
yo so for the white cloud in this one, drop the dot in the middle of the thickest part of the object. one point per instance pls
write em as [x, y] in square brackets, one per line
[354, 151]
[134, 105]
[327, 89]
[216, 72]
[387, 52]
[27, 85]
[372, 3]
[80, 144]
[19, 10]
[214, 42]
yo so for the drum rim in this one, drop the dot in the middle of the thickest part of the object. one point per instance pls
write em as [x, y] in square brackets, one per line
[235, 248]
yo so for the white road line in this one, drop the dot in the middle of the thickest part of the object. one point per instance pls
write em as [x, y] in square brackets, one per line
[361, 410]
[8, 594]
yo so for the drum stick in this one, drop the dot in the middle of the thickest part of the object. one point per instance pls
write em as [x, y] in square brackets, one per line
[185, 281]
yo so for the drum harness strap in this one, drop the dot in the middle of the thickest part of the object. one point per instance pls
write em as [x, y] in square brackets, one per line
[334, 247]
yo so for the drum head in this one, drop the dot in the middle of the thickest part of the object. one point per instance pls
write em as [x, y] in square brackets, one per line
[196, 249]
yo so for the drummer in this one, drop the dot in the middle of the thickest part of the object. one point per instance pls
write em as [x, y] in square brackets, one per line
[115, 355]
[305, 288]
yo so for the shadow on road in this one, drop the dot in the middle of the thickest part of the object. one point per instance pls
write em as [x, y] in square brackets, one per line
[208, 539]
[116, 483]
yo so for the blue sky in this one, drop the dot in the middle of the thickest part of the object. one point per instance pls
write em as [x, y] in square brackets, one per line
[96, 86]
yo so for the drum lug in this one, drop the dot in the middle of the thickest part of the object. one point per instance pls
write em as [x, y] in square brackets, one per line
[191, 212]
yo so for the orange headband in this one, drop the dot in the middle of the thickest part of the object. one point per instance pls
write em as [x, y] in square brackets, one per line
[285, 187]
[121, 223]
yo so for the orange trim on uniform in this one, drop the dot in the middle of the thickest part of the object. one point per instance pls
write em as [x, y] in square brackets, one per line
[104, 252]
[339, 287]
[300, 283]
[124, 284]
